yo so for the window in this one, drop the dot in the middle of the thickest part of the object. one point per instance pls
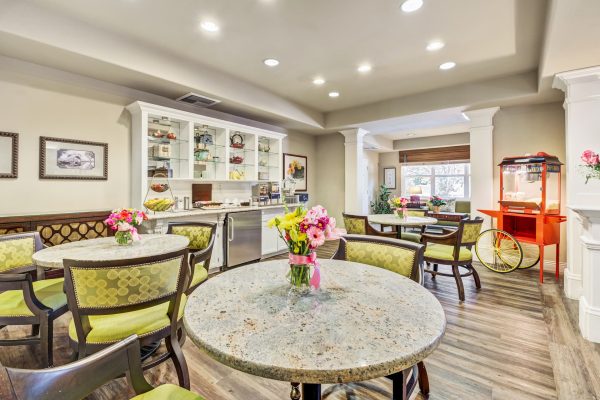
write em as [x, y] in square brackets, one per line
[450, 180]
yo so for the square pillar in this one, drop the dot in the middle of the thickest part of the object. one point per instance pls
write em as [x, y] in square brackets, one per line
[355, 178]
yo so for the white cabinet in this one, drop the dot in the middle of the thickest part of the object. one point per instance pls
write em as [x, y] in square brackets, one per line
[270, 236]
[191, 147]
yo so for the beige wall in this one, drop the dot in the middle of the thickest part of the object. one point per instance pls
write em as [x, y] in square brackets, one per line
[35, 107]
[455, 139]
[530, 129]
[330, 177]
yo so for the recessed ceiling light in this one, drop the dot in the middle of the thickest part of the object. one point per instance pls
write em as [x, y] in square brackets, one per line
[447, 65]
[209, 26]
[411, 5]
[435, 45]
[334, 94]
[318, 81]
[271, 62]
[364, 68]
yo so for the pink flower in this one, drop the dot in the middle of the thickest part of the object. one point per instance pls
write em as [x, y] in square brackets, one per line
[331, 232]
[590, 158]
[124, 227]
[316, 237]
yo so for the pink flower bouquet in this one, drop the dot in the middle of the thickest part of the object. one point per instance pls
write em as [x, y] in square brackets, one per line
[125, 222]
[304, 231]
[591, 166]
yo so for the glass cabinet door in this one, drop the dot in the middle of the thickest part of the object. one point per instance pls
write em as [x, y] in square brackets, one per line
[210, 145]
[168, 147]
[269, 153]
[242, 156]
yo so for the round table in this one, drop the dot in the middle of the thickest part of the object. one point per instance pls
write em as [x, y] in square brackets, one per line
[364, 322]
[106, 249]
[393, 219]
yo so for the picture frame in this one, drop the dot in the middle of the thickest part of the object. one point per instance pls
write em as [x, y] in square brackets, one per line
[9, 155]
[296, 167]
[73, 159]
[389, 177]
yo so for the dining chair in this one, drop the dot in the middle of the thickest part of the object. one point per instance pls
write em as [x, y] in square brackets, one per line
[404, 258]
[111, 300]
[202, 239]
[454, 248]
[78, 379]
[359, 225]
[25, 300]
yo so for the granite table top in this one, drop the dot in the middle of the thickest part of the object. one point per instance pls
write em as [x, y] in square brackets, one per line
[106, 249]
[364, 322]
[393, 219]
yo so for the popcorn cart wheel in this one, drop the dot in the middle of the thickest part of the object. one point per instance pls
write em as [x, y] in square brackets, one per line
[500, 252]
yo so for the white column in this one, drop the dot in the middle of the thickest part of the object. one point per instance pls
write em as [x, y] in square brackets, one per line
[582, 122]
[482, 162]
[355, 199]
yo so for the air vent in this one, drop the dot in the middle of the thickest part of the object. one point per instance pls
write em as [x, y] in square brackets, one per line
[197, 100]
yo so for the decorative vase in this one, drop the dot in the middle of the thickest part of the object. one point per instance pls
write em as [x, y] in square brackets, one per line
[436, 209]
[123, 238]
[300, 274]
[404, 213]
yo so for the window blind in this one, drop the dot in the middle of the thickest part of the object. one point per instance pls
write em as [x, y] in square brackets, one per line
[437, 154]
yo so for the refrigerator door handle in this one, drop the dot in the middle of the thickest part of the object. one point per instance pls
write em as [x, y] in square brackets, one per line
[230, 229]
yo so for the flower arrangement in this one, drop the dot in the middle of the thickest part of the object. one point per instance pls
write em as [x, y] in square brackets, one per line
[304, 231]
[295, 169]
[125, 222]
[398, 205]
[436, 202]
[591, 168]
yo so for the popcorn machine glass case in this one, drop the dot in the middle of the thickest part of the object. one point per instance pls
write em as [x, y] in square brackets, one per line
[530, 184]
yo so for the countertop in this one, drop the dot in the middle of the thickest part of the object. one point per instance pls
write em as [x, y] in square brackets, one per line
[195, 211]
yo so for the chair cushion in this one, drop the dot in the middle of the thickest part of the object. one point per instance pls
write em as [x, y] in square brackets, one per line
[393, 258]
[445, 252]
[411, 237]
[200, 275]
[114, 327]
[168, 392]
[48, 291]
[199, 236]
[355, 226]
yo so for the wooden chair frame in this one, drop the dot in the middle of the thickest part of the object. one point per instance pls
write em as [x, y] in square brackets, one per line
[174, 334]
[42, 321]
[453, 238]
[76, 380]
[369, 229]
[200, 256]
[405, 381]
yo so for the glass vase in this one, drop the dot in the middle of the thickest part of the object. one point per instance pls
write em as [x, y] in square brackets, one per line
[123, 238]
[300, 278]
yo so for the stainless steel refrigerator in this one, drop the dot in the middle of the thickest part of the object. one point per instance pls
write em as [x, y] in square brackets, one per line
[243, 241]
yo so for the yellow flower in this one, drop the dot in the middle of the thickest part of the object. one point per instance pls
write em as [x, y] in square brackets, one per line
[273, 222]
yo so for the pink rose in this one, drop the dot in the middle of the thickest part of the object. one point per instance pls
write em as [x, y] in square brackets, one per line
[590, 158]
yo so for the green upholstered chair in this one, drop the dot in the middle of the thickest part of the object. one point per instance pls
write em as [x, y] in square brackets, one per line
[414, 234]
[399, 256]
[359, 225]
[25, 300]
[202, 239]
[111, 300]
[77, 380]
[454, 248]
[462, 206]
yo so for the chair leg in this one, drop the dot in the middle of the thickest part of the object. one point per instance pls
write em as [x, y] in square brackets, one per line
[475, 276]
[178, 358]
[423, 379]
[45, 329]
[399, 380]
[435, 269]
[459, 283]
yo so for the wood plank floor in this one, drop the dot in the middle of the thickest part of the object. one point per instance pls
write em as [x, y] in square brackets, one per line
[513, 339]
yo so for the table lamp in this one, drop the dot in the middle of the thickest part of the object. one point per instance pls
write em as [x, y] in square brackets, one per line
[414, 192]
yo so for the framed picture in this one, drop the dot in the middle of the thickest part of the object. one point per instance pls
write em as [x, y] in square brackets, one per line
[295, 167]
[73, 159]
[389, 177]
[9, 154]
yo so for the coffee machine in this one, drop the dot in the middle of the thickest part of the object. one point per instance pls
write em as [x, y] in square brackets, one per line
[260, 194]
[274, 191]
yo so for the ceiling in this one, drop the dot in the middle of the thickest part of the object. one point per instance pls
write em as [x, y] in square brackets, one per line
[500, 47]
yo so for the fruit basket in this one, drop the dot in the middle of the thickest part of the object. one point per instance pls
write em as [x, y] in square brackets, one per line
[159, 183]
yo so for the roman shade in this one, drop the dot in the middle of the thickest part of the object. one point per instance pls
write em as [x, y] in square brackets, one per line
[437, 154]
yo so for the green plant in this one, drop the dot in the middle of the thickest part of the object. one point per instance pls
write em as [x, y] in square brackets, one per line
[381, 205]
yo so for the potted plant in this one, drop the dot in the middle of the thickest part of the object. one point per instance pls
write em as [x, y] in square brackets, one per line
[436, 202]
[381, 205]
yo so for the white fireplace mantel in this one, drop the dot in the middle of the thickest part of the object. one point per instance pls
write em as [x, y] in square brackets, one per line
[589, 302]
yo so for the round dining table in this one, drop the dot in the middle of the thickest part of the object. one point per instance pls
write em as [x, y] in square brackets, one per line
[393, 219]
[107, 249]
[362, 323]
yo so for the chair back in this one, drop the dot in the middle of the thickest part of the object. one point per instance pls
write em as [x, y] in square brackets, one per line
[200, 234]
[468, 231]
[76, 380]
[355, 224]
[416, 213]
[399, 256]
[16, 251]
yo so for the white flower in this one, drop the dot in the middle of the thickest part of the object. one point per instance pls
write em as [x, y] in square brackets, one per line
[124, 226]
